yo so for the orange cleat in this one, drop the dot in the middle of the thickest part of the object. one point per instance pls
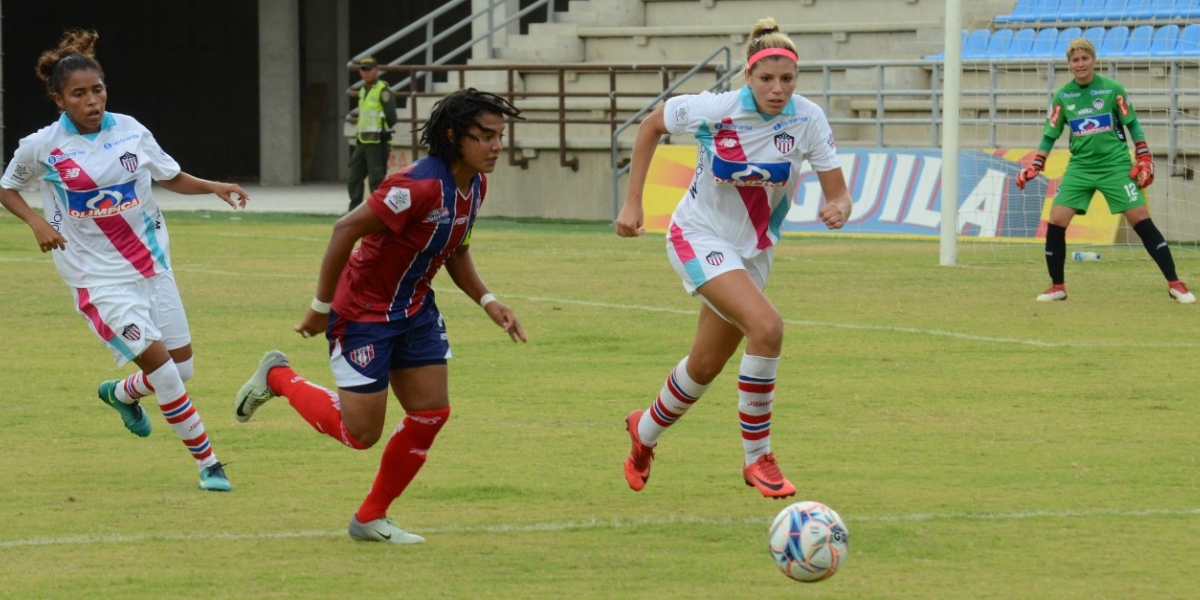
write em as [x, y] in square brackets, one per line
[637, 466]
[764, 474]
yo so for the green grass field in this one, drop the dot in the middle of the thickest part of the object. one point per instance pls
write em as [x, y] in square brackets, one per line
[979, 444]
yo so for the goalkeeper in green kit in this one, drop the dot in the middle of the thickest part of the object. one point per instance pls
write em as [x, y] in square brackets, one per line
[1097, 111]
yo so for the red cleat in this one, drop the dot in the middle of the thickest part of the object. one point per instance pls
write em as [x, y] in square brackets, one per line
[764, 474]
[637, 466]
[1055, 293]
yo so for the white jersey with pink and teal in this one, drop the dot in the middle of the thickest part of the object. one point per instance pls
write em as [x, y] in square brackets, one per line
[96, 193]
[747, 164]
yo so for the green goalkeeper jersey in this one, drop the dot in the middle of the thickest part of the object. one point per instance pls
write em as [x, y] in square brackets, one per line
[1097, 115]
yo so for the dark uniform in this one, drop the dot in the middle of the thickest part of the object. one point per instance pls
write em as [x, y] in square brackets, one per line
[376, 115]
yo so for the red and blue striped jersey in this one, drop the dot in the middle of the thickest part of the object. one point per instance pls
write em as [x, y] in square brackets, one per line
[389, 276]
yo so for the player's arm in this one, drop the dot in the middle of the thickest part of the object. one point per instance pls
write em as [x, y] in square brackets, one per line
[1143, 168]
[356, 224]
[462, 270]
[631, 220]
[192, 186]
[47, 238]
[1055, 122]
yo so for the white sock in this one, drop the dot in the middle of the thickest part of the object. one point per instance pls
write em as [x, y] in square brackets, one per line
[181, 415]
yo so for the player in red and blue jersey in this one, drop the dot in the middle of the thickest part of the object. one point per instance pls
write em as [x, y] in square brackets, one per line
[722, 237]
[109, 239]
[378, 311]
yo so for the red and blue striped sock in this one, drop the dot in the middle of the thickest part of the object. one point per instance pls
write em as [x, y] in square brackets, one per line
[678, 394]
[756, 397]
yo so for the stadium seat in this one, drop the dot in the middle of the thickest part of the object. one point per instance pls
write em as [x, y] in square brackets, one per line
[1089, 10]
[1114, 42]
[1030, 11]
[1140, 9]
[999, 43]
[1117, 10]
[1043, 44]
[1068, 10]
[976, 44]
[1139, 41]
[1164, 9]
[1064, 39]
[1018, 15]
[1096, 36]
[942, 55]
[1189, 9]
[1165, 40]
[1022, 44]
[1189, 41]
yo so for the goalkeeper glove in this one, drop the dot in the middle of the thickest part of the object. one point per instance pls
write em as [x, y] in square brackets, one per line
[1031, 172]
[1143, 169]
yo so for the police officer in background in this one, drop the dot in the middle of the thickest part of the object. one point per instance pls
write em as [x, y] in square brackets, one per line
[376, 115]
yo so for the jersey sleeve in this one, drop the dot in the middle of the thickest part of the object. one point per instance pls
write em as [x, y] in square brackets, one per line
[1125, 112]
[161, 165]
[24, 171]
[1055, 119]
[685, 114]
[822, 154]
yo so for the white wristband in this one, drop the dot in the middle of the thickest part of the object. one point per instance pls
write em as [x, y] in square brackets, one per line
[486, 299]
[320, 307]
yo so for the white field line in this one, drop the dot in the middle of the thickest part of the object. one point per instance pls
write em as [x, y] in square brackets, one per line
[602, 524]
[802, 323]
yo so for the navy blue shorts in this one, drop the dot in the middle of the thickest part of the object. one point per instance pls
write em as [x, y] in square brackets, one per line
[362, 354]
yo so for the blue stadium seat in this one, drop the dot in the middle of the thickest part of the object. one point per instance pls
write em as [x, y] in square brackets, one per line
[1165, 40]
[1068, 10]
[1139, 9]
[1114, 42]
[1189, 41]
[1164, 9]
[1096, 36]
[1043, 44]
[1139, 41]
[977, 44]
[1022, 44]
[998, 44]
[1089, 10]
[1117, 10]
[942, 55]
[1189, 9]
[1018, 15]
[1064, 39]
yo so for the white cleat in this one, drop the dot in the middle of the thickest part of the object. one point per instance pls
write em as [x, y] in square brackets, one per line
[382, 530]
[256, 392]
[1179, 291]
[1055, 293]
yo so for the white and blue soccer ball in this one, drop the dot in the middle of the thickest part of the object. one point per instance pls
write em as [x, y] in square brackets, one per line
[809, 541]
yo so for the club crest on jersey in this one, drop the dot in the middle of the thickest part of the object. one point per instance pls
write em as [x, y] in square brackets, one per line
[103, 202]
[714, 258]
[131, 333]
[1097, 104]
[398, 199]
[129, 161]
[363, 356]
[784, 143]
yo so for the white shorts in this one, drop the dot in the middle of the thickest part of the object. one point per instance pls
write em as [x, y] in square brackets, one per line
[699, 257]
[127, 317]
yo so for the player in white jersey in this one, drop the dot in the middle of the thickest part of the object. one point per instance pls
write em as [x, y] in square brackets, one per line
[109, 240]
[721, 240]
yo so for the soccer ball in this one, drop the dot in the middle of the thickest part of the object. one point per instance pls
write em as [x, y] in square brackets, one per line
[809, 541]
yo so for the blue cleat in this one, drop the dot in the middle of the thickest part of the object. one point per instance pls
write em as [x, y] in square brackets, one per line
[132, 415]
[213, 479]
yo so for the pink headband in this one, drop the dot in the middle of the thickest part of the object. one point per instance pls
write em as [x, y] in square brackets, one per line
[761, 54]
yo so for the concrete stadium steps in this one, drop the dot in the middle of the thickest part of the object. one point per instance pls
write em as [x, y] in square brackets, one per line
[743, 13]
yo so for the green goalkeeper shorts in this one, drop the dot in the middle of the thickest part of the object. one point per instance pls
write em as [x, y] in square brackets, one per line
[1076, 189]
